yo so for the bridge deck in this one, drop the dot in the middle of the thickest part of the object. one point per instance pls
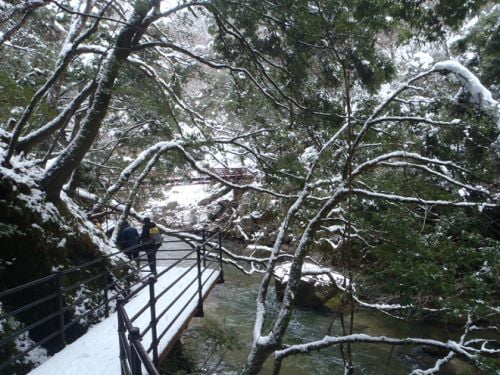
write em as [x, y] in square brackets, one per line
[97, 352]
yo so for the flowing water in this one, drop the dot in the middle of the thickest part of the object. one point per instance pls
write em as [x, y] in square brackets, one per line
[233, 305]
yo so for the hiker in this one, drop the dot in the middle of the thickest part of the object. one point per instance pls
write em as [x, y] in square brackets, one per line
[128, 237]
[151, 239]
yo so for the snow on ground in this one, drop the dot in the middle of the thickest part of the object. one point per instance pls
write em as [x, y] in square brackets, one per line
[178, 205]
[187, 195]
[97, 352]
[24, 172]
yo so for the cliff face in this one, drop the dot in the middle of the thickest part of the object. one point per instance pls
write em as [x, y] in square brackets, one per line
[37, 237]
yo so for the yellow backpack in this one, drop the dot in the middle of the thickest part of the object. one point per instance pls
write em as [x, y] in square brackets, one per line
[155, 235]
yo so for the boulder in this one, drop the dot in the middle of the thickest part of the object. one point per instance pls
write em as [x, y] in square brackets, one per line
[219, 209]
[171, 205]
[314, 290]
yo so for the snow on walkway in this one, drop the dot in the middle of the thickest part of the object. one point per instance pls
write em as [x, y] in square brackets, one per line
[97, 352]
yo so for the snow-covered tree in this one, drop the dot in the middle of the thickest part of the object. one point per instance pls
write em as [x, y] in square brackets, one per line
[358, 149]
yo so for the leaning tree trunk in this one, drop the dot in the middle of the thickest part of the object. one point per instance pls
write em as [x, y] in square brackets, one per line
[71, 157]
[264, 346]
[133, 193]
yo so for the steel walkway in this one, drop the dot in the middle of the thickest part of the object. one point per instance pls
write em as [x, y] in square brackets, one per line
[97, 352]
[143, 319]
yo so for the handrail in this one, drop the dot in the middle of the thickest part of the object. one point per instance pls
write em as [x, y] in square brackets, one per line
[178, 314]
[165, 310]
[39, 301]
[101, 270]
[27, 285]
[131, 348]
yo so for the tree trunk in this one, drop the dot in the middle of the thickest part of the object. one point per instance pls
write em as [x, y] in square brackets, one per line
[262, 350]
[256, 358]
[133, 193]
[71, 157]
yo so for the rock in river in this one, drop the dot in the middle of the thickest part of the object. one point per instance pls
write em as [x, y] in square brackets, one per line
[317, 285]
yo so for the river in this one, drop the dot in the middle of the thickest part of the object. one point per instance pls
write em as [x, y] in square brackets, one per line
[233, 305]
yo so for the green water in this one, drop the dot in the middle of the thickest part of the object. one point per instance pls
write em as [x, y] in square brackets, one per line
[233, 305]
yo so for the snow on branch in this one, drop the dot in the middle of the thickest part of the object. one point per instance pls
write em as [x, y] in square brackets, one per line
[26, 142]
[139, 160]
[343, 283]
[25, 7]
[402, 154]
[382, 161]
[405, 199]
[112, 204]
[63, 61]
[167, 90]
[437, 174]
[98, 17]
[479, 94]
[439, 363]
[260, 314]
[452, 346]
[385, 308]
[162, 147]
[442, 361]
[412, 119]
[156, 15]
[216, 65]
[316, 156]
[405, 86]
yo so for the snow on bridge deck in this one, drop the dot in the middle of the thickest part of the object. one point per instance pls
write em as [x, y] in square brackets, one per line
[97, 352]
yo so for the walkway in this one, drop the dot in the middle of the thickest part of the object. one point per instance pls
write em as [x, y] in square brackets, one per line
[97, 352]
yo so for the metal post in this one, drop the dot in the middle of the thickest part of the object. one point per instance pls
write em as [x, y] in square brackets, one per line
[152, 301]
[200, 312]
[219, 245]
[203, 238]
[134, 337]
[121, 333]
[105, 286]
[60, 302]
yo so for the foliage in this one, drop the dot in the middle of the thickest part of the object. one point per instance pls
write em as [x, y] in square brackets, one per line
[10, 350]
[482, 45]
[450, 262]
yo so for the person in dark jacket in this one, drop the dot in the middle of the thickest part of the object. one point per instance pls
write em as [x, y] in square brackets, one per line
[148, 246]
[127, 238]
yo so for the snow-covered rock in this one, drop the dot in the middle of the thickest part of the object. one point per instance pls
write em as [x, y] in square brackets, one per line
[317, 285]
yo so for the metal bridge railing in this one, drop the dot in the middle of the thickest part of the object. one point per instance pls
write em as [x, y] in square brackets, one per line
[205, 258]
[52, 302]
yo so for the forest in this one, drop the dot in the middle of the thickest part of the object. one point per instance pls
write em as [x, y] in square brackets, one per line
[369, 130]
